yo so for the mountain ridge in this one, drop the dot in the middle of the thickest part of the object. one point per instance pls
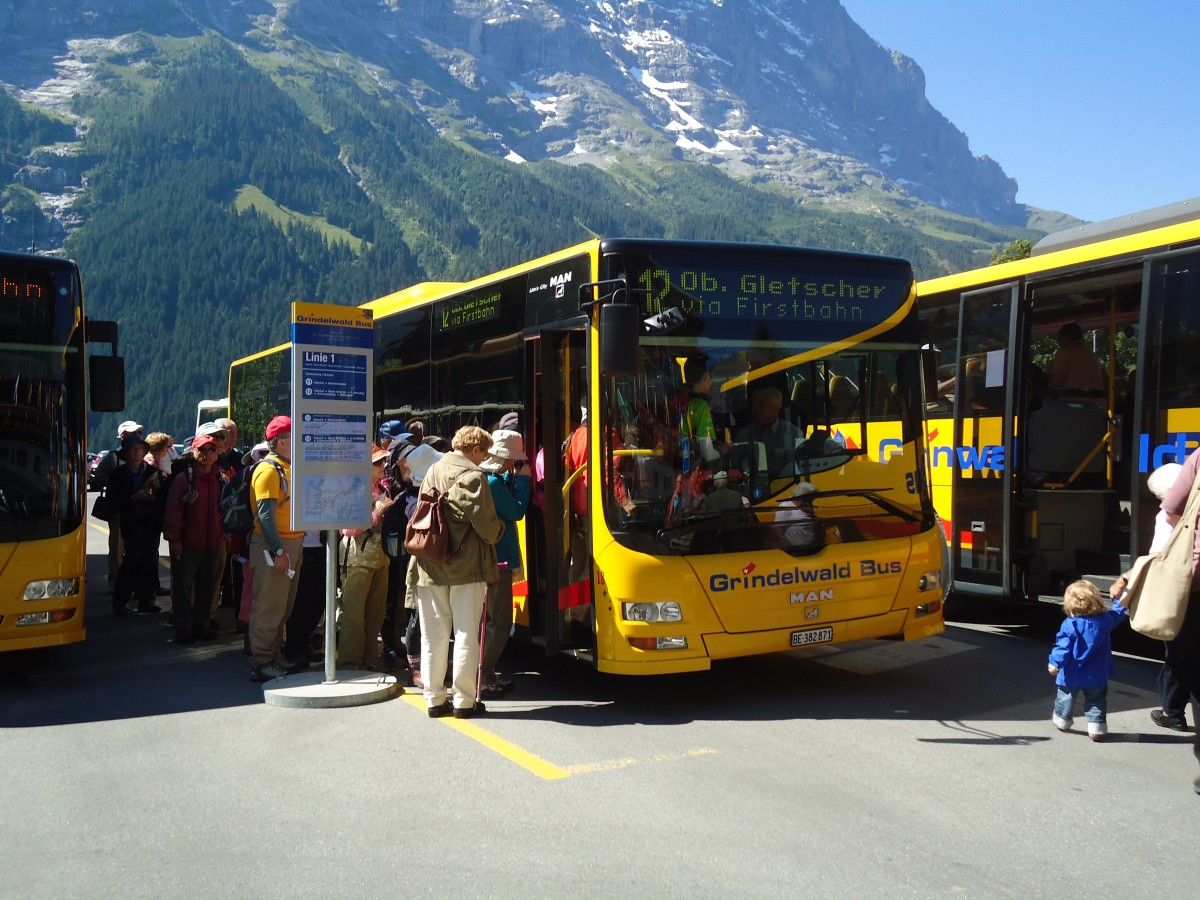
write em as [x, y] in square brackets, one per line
[824, 112]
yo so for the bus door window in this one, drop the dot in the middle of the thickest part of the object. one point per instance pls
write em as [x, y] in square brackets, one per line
[1169, 393]
[575, 614]
[982, 432]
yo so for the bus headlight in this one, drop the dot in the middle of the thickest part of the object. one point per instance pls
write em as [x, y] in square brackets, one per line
[672, 642]
[52, 588]
[665, 611]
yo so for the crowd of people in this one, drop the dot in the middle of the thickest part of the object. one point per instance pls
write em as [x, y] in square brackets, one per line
[396, 614]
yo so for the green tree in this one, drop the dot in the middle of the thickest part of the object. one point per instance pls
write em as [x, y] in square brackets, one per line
[1018, 249]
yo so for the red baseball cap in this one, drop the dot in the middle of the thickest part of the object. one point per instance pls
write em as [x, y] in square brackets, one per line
[277, 426]
[204, 440]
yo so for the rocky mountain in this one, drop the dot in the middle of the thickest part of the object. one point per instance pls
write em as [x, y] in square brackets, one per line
[790, 94]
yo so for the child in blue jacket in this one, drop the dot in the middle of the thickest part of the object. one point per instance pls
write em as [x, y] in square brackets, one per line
[1082, 657]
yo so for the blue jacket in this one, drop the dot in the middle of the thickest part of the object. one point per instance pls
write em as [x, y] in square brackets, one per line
[1083, 649]
[511, 503]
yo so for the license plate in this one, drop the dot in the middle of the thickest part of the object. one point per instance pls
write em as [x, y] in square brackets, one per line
[812, 636]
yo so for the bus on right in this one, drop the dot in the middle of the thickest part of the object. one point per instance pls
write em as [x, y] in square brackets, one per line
[1064, 380]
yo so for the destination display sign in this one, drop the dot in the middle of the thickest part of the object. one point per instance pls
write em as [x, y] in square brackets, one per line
[766, 293]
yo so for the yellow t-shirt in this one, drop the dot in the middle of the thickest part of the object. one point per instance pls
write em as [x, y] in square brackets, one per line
[264, 484]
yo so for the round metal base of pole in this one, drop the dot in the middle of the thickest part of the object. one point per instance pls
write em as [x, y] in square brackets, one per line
[350, 687]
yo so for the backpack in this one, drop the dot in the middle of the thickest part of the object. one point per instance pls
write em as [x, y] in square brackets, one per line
[237, 515]
[393, 525]
[179, 467]
[428, 533]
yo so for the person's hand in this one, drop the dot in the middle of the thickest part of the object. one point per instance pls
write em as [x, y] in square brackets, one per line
[176, 548]
[630, 507]
[281, 563]
[1052, 669]
[1118, 587]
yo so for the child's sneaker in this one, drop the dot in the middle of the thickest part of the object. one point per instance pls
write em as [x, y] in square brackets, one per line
[1060, 723]
[1097, 731]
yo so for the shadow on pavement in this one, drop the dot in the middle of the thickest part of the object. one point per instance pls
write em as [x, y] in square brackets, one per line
[127, 668]
[991, 669]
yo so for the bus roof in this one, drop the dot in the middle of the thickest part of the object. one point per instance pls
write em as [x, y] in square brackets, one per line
[277, 348]
[1106, 241]
[433, 290]
[1131, 223]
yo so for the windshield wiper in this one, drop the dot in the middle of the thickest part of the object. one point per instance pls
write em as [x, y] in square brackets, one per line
[18, 509]
[873, 494]
[695, 523]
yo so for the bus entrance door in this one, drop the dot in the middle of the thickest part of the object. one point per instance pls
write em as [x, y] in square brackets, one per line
[983, 435]
[561, 614]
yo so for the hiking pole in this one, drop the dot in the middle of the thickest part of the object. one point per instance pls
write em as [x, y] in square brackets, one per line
[482, 642]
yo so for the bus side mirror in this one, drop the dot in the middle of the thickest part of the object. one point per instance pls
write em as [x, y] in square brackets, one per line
[620, 329]
[107, 377]
[929, 367]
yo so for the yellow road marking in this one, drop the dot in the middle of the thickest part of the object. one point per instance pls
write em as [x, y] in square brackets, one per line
[611, 765]
[523, 758]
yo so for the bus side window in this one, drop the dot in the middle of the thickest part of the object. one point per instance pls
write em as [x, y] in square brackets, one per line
[842, 397]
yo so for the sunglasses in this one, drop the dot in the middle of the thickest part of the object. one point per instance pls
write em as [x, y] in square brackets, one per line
[207, 450]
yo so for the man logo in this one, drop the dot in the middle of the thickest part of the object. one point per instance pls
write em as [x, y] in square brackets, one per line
[812, 612]
[820, 596]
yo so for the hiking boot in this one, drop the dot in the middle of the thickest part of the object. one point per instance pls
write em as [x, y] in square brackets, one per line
[470, 712]
[499, 681]
[1164, 719]
[491, 691]
[266, 673]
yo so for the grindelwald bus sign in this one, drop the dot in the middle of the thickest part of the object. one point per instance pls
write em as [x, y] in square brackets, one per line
[332, 365]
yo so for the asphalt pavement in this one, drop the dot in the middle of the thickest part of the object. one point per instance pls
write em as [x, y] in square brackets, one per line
[137, 768]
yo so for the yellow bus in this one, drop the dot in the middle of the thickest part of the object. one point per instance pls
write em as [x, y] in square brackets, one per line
[1043, 481]
[813, 525]
[43, 446]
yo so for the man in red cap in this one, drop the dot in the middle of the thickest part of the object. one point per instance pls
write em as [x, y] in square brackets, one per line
[275, 554]
[192, 528]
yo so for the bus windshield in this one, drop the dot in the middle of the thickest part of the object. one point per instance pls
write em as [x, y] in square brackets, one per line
[41, 427]
[776, 403]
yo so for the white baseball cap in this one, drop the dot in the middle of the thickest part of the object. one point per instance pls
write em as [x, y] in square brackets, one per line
[128, 427]
[420, 461]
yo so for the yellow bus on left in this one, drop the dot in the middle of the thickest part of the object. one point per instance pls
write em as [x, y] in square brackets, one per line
[47, 381]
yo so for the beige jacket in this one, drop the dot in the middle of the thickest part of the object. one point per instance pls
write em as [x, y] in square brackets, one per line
[472, 515]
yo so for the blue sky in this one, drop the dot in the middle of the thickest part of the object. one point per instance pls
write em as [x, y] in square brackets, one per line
[1093, 106]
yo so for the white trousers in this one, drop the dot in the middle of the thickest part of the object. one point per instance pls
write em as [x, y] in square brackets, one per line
[445, 611]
